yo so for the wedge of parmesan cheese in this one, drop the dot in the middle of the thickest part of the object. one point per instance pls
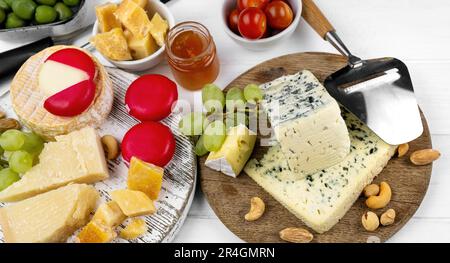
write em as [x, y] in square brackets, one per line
[77, 157]
[49, 217]
[307, 123]
[322, 199]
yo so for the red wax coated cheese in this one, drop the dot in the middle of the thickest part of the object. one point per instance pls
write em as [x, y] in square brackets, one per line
[74, 58]
[71, 101]
[149, 141]
[151, 97]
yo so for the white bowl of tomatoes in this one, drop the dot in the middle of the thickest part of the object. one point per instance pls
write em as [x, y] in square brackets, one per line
[261, 24]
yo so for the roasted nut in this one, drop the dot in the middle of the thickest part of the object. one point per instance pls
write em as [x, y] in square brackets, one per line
[9, 124]
[296, 235]
[370, 221]
[111, 147]
[2, 114]
[388, 217]
[402, 149]
[382, 199]
[424, 157]
[371, 190]
[257, 208]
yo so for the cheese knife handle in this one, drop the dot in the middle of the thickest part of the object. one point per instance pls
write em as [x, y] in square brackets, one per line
[13, 59]
[316, 19]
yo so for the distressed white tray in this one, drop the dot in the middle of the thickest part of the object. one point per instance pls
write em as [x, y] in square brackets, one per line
[180, 174]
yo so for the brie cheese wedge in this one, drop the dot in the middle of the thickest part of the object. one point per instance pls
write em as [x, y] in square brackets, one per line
[234, 153]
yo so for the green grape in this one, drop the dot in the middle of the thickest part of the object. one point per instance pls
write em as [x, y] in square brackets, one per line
[192, 124]
[12, 140]
[214, 136]
[7, 154]
[213, 98]
[253, 93]
[33, 143]
[235, 99]
[236, 119]
[7, 178]
[71, 2]
[21, 161]
[200, 149]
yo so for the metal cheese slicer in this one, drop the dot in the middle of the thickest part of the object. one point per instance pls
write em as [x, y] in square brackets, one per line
[378, 91]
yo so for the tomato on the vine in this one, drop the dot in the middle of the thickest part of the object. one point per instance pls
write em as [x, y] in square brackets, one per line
[252, 23]
[233, 20]
[242, 4]
[279, 14]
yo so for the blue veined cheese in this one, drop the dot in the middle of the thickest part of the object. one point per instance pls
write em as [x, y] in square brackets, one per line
[307, 123]
[321, 199]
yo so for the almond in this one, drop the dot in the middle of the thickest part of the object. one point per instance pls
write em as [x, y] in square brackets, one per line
[9, 124]
[402, 149]
[424, 157]
[296, 235]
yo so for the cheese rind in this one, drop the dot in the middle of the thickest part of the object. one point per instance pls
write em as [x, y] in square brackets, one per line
[322, 199]
[49, 217]
[77, 157]
[307, 123]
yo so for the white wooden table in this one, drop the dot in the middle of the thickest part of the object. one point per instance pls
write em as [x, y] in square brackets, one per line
[415, 31]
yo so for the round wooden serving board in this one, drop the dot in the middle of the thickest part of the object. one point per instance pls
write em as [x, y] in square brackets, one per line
[230, 197]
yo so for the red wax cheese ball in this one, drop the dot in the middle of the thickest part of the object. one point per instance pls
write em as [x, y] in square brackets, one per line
[151, 97]
[149, 141]
[75, 58]
[71, 101]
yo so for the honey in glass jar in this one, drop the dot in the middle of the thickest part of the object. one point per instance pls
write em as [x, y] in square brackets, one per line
[191, 54]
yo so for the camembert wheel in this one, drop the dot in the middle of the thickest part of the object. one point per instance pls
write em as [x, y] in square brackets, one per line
[28, 98]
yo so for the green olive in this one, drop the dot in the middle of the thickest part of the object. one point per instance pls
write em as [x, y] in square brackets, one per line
[45, 14]
[4, 5]
[47, 2]
[63, 11]
[71, 2]
[9, 2]
[24, 8]
[2, 16]
[13, 21]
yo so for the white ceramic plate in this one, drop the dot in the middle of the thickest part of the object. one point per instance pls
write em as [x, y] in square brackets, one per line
[180, 175]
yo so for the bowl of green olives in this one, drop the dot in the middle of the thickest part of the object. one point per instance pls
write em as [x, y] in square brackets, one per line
[24, 19]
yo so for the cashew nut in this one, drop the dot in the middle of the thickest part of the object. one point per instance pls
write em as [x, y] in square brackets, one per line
[257, 208]
[371, 189]
[388, 217]
[382, 199]
[111, 147]
[370, 221]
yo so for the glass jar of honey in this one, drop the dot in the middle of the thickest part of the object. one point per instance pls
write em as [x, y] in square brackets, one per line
[191, 54]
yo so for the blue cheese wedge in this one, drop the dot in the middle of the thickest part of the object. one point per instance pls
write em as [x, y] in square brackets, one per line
[321, 199]
[234, 153]
[307, 123]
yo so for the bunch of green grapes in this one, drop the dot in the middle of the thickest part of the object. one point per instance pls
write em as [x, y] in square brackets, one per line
[210, 127]
[20, 150]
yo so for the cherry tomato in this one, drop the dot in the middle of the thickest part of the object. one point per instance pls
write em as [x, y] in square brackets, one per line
[242, 4]
[252, 23]
[279, 15]
[151, 142]
[233, 20]
[151, 97]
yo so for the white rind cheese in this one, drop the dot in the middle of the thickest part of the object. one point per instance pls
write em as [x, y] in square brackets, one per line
[322, 199]
[49, 217]
[28, 99]
[307, 123]
[77, 157]
[234, 153]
